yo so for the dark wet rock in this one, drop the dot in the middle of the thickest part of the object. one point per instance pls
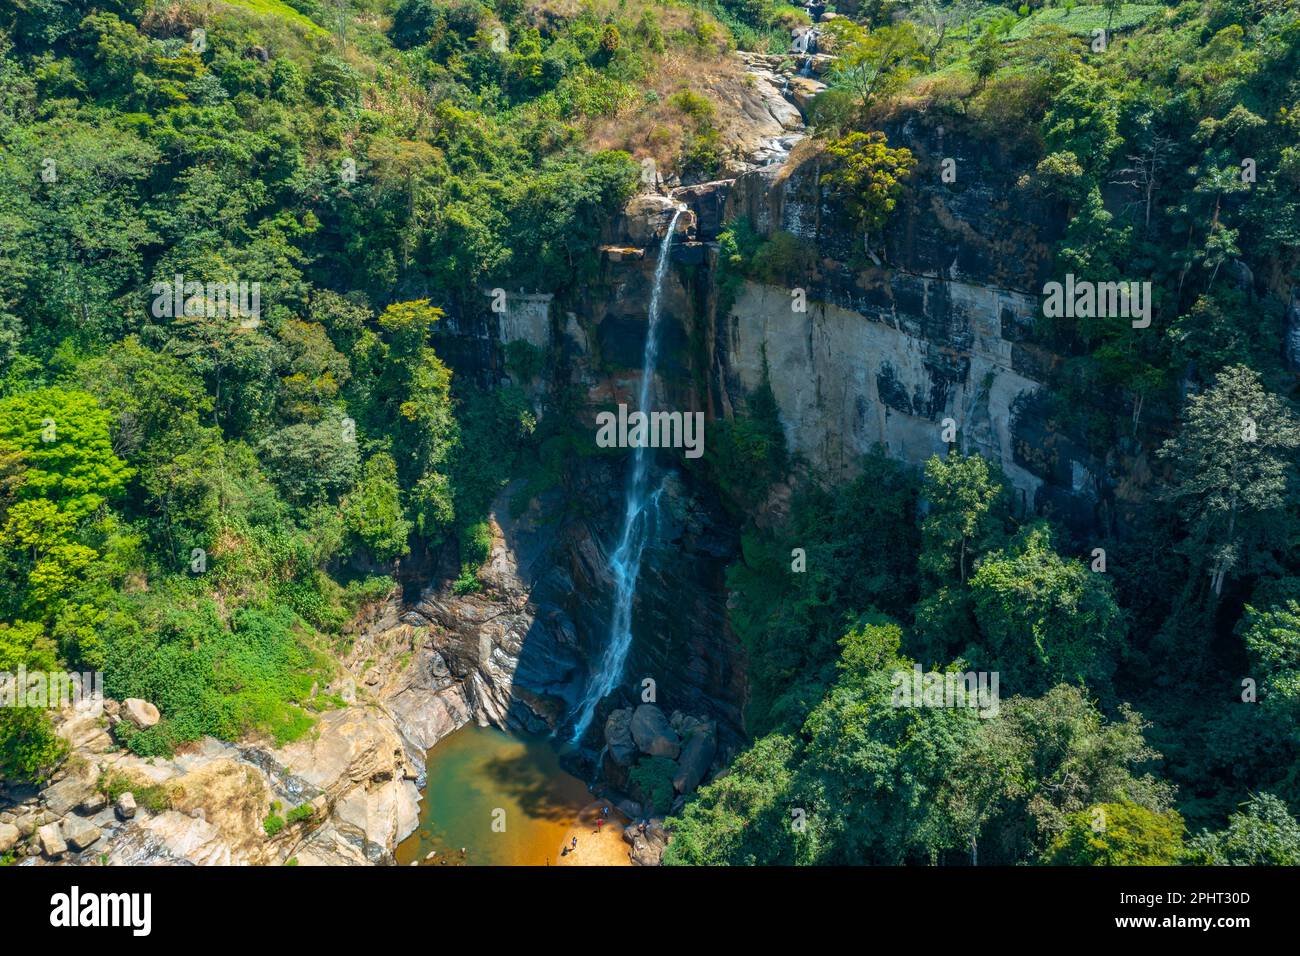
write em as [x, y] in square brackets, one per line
[652, 732]
[696, 758]
[618, 737]
[50, 839]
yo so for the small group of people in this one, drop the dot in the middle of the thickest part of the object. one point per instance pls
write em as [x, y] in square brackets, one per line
[572, 845]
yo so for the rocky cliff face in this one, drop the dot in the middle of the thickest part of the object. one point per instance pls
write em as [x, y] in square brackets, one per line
[883, 353]
[939, 332]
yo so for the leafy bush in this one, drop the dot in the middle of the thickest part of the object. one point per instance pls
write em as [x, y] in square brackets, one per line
[748, 452]
[1117, 834]
[652, 780]
[209, 677]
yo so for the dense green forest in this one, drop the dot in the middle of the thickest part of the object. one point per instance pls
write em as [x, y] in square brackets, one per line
[196, 501]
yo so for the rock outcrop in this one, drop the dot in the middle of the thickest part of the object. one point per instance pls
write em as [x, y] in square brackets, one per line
[652, 732]
[140, 712]
[939, 327]
[619, 744]
[9, 835]
[211, 803]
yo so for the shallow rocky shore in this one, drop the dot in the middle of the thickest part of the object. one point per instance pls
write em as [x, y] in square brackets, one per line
[345, 794]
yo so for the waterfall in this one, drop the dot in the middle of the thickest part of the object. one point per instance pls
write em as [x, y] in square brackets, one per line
[639, 514]
[805, 41]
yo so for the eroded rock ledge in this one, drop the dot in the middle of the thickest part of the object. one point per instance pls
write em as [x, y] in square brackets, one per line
[348, 793]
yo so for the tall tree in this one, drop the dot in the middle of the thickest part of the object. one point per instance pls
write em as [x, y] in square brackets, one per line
[1230, 465]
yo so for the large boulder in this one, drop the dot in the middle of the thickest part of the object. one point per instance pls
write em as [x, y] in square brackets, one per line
[231, 796]
[51, 840]
[171, 838]
[618, 737]
[8, 837]
[125, 806]
[80, 833]
[76, 785]
[140, 712]
[696, 758]
[708, 201]
[92, 804]
[652, 732]
[646, 218]
[1291, 346]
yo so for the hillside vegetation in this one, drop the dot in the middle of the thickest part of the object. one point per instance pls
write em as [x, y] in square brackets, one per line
[1151, 666]
[196, 496]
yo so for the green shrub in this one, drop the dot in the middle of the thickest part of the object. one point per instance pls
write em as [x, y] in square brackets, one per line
[154, 797]
[524, 360]
[467, 582]
[1119, 834]
[652, 778]
[784, 258]
[212, 677]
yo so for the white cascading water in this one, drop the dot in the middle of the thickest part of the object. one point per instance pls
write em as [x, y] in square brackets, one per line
[638, 516]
